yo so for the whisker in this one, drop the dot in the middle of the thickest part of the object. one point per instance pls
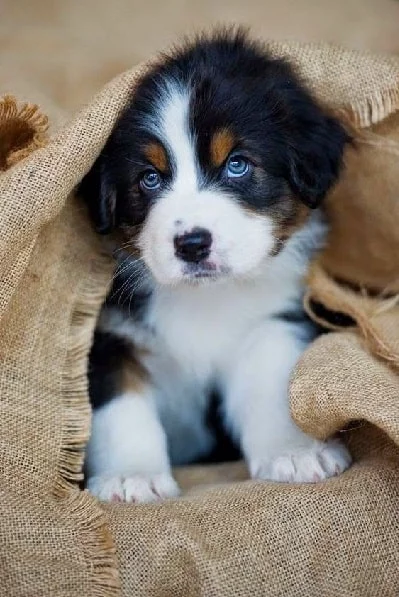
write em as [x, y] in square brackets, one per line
[125, 245]
[125, 287]
[126, 282]
[133, 281]
[121, 269]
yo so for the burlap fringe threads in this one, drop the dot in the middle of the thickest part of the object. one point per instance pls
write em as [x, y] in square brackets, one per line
[22, 130]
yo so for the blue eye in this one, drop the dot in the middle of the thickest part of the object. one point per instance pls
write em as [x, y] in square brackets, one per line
[150, 181]
[237, 166]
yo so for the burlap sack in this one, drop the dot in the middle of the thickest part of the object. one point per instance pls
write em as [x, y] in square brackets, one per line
[338, 538]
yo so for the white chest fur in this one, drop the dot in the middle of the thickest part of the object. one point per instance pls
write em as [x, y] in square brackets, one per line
[201, 326]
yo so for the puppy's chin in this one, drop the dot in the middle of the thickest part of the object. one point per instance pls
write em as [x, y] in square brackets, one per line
[206, 272]
[189, 274]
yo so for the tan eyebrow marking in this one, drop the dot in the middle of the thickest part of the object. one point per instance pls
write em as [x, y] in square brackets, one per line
[156, 154]
[222, 143]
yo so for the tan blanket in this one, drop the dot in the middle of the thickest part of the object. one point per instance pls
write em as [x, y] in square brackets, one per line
[337, 538]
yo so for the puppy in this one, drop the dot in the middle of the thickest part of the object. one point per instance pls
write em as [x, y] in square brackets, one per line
[209, 181]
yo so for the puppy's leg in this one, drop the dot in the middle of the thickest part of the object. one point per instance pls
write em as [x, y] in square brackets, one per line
[127, 457]
[257, 409]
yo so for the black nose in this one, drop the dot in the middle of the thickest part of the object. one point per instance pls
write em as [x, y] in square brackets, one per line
[193, 246]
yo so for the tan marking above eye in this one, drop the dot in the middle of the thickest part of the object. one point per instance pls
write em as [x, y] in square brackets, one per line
[222, 143]
[156, 154]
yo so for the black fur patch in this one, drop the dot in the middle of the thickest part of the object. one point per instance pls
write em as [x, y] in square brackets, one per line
[225, 450]
[106, 357]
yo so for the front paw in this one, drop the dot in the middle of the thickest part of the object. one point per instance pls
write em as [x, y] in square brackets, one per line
[135, 488]
[303, 465]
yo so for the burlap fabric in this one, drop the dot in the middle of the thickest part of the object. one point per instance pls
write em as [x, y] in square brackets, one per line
[338, 538]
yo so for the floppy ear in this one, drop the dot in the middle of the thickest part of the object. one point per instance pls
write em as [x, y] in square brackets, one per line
[99, 195]
[315, 156]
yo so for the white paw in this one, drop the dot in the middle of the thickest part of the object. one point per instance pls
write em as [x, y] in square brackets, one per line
[136, 489]
[304, 465]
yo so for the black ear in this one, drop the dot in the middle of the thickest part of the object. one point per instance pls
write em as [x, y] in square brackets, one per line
[315, 156]
[99, 194]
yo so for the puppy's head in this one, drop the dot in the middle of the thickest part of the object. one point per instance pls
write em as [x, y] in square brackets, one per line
[215, 162]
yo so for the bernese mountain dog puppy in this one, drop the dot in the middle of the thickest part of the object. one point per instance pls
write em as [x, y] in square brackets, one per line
[209, 183]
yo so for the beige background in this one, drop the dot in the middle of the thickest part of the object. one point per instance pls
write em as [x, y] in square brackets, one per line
[69, 48]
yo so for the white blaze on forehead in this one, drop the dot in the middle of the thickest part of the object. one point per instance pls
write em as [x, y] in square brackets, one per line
[174, 112]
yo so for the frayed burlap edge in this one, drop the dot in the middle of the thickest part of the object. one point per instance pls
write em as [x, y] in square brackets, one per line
[26, 114]
[371, 110]
[95, 537]
[96, 542]
[77, 411]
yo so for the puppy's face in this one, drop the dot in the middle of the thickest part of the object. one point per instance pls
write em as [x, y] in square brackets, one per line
[215, 162]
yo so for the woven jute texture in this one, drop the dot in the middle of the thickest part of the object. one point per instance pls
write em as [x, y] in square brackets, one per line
[338, 538]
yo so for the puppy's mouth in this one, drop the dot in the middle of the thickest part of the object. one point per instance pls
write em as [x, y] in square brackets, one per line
[204, 270]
